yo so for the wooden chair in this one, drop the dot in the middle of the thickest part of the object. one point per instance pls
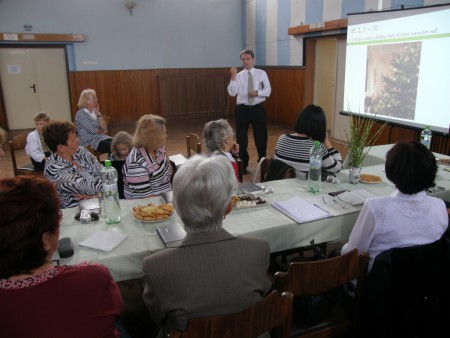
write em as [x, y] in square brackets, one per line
[18, 143]
[273, 313]
[94, 152]
[272, 169]
[313, 278]
[193, 144]
[403, 293]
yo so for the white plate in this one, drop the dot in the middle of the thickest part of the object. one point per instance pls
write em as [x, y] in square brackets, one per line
[156, 221]
[369, 182]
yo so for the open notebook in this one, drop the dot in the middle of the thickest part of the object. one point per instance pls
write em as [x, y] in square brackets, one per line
[300, 210]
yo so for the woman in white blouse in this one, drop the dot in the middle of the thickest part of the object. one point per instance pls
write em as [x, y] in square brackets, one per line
[408, 216]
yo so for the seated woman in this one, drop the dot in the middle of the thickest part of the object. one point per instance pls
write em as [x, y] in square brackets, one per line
[36, 147]
[408, 216]
[293, 149]
[91, 124]
[74, 170]
[212, 272]
[147, 170]
[121, 146]
[219, 139]
[39, 298]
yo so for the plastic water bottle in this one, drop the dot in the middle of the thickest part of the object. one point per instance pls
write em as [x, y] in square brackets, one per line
[111, 206]
[425, 137]
[315, 168]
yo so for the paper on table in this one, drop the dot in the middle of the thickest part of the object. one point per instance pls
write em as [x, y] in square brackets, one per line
[300, 210]
[178, 159]
[355, 197]
[104, 240]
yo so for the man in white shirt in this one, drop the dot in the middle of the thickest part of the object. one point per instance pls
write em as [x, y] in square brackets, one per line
[251, 86]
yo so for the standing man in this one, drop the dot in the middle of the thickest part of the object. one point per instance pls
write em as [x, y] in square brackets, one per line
[251, 86]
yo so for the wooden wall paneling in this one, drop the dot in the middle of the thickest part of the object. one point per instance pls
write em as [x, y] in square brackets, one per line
[287, 97]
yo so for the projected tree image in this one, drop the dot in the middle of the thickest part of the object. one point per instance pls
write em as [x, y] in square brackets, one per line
[398, 92]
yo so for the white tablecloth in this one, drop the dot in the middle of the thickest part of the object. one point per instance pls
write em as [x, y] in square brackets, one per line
[265, 222]
[377, 155]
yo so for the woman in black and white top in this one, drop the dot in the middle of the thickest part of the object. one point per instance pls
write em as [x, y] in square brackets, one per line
[73, 169]
[91, 124]
[293, 149]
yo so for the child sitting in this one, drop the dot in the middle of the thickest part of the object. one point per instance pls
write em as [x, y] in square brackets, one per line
[36, 147]
[120, 146]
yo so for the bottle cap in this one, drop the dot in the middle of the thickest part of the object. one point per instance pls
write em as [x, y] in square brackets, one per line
[317, 143]
[107, 163]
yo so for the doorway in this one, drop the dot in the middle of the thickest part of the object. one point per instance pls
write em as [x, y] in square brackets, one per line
[33, 80]
[325, 70]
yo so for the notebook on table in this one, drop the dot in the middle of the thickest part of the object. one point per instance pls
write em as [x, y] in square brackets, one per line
[301, 210]
[171, 235]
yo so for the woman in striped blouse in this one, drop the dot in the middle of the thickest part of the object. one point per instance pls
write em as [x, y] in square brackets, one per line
[293, 149]
[91, 124]
[147, 170]
[73, 169]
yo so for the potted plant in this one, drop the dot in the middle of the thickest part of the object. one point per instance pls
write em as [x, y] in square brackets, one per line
[360, 140]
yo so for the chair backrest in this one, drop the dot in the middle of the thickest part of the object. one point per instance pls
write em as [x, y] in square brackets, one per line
[18, 143]
[273, 313]
[94, 152]
[241, 168]
[273, 169]
[401, 292]
[316, 277]
[193, 144]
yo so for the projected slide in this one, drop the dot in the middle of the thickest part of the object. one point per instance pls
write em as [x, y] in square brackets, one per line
[398, 66]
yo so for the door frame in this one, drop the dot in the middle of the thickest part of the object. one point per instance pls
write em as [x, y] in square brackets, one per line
[3, 116]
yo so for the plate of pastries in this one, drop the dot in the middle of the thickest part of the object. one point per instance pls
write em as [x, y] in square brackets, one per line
[370, 179]
[247, 201]
[152, 212]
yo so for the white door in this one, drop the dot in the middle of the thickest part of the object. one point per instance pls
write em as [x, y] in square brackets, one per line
[33, 80]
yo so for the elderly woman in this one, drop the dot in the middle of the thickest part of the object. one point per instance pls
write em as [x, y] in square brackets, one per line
[2, 141]
[147, 170]
[219, 138]
[212, 272]
[408, 216]
[91, 124]
[74, 170]
[293, 149]
[39, 298]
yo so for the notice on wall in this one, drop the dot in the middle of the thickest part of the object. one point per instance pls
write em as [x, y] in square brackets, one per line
[10, 37]
[14, 69]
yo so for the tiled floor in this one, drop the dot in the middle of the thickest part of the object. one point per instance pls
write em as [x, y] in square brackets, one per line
[176, 143]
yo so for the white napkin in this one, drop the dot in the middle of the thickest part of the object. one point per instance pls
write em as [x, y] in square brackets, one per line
[104, 240]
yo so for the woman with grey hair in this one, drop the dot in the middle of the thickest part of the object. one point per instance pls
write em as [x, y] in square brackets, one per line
[212, 272]
[219, 139]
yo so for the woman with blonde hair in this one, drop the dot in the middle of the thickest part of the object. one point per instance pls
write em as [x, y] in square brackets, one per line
[147, 170]
[91, 124]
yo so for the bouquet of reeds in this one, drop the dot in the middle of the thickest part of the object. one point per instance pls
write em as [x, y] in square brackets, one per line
[360, 137]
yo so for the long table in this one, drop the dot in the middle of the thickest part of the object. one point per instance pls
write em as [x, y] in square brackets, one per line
[265, 222]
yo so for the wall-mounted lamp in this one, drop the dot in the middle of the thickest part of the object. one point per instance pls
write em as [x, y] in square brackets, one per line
[130, 4]
[27, 27]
